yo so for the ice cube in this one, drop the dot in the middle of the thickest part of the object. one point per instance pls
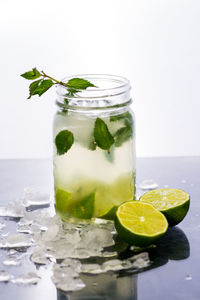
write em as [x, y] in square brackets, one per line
[4, 276]
[97, 238]
[30, 278]
[72, 263]
[140, 260]
[12, 210]
[39, 256]
[24, 229]
[16, 241]
[66, 279]
[11, 262]
[148, 184]
[116, 265]
[188, 277]
[70, 284]
[51, 233]
[33, 197]
[91, 269]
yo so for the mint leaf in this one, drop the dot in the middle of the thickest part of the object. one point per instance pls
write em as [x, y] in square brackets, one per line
[122, 135]
[102, 135]
[84, 209]
[125, 116]
[125, 132]
[39, 87]
[33, 87]
[64, 140]
[75, 84]
[31, 75]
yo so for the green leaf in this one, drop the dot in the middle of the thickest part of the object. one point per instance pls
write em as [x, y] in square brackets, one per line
[64, 140]
[84, 209]
[122, 135]
[125, 116]
[33, 86]
[75, 84]
[31, 75]
[102, 135]
[39, 87]
[125, 132]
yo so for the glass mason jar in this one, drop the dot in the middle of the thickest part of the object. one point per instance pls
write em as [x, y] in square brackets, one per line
[96, 171]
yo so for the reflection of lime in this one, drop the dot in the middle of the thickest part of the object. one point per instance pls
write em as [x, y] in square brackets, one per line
[139, 224]
[173, 203]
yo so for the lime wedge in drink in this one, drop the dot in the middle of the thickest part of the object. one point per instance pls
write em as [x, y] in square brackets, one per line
[139, 224]
[62, 199]
[84, 209]
[110, 215]
[173, 203]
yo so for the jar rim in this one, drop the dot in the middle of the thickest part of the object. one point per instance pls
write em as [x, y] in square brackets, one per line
[111, 88]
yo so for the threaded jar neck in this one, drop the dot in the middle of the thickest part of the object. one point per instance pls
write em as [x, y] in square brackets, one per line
[110, 91]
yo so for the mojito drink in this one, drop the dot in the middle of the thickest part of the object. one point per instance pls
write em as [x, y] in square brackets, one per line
[91, 182]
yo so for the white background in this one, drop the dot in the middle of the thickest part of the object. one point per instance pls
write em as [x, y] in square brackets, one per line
[155, 43]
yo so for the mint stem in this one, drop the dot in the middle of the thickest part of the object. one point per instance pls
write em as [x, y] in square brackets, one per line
[56, 81]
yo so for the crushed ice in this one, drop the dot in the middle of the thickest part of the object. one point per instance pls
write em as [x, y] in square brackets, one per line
[4, 276]
[30, 278]
[66, 247]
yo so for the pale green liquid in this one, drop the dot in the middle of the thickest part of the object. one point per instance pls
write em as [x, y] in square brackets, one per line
[89, 183]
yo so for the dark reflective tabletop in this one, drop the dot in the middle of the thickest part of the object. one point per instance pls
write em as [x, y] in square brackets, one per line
[175, 268]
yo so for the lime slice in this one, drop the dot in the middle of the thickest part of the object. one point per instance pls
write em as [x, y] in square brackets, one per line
[139, 224]
[173, 203]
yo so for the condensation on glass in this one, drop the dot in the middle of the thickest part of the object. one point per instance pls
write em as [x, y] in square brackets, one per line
[91, 182]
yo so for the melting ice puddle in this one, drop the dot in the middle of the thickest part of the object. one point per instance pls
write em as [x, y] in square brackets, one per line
[148, 184]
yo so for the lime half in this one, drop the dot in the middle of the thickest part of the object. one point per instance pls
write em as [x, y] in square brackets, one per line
[173, 203]
[139, 224]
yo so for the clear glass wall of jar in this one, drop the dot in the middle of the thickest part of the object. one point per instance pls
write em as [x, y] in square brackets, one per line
[97, 172]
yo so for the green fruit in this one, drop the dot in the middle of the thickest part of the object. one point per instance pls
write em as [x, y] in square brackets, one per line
[139, 224]
[173, 203]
